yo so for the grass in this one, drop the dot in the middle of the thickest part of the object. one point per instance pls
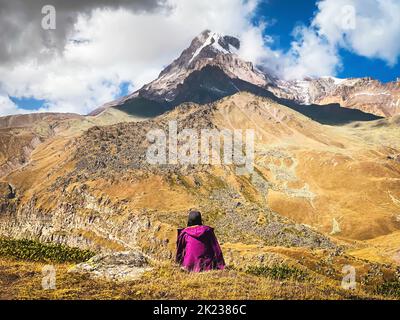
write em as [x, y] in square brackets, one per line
[21, 275]
[278, 272]
[389, 289]
[22, 280]
[31, 250]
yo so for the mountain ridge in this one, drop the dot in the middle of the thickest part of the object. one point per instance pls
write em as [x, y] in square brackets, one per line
[212, 49]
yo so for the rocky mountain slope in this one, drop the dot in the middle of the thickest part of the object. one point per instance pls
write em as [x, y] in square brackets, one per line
[20, 135]
[306, 176]
[207, 49]
[365, 94]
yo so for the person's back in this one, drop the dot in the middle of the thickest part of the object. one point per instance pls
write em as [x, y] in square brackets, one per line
[198, 248]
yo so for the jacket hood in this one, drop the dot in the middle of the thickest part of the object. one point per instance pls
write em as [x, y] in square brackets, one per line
[197, 231]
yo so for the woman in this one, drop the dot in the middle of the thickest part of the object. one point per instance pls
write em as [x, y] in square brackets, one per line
[197, 247]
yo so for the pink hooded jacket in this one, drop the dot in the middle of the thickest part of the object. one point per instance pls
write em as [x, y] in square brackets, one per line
[198, 249]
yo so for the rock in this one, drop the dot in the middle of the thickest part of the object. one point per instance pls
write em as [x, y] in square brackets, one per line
[365, 94]
[7, 191]
[117, 266]
[395, 157]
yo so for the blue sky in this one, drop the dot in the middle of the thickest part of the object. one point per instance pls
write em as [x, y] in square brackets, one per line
[28, 103]
[118, 57]
[284, 19]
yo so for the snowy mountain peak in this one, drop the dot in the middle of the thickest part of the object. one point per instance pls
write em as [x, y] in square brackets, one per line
[207, 49]
[209, 44]
[216, 42]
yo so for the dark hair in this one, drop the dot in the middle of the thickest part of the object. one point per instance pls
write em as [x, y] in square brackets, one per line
[194, 219]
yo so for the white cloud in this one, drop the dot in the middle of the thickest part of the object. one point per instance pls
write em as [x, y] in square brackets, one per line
[7, 106]
[368, 28]
[310, 56]
[23, 18]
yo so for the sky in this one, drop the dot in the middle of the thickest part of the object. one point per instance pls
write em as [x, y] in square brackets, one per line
[101, 50]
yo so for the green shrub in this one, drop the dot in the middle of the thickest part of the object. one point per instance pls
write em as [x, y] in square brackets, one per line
[389, 288]
[278, 272]
[42, 252]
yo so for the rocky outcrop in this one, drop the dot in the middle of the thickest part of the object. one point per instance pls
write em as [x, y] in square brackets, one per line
[12, 192]
[118, 266]
[7, 191]
[17, 151]
[81, 220]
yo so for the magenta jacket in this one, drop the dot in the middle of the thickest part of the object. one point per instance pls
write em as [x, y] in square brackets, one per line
[198, 249]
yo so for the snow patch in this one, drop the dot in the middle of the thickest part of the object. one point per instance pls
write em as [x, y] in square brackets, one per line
[209, 41]
[337, 81]
[205, 44]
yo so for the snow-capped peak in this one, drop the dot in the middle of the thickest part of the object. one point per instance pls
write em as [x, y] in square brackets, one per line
[207, 49]
[209, 41]
[215, 42]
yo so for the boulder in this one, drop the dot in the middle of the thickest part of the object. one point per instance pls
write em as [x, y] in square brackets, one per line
[116, 266]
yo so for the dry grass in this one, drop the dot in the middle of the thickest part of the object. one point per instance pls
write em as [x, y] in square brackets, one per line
[22, 280]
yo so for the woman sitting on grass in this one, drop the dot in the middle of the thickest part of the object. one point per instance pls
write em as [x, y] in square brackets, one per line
[197, 247]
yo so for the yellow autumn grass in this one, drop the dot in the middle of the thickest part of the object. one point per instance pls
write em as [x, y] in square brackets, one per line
[23, 280]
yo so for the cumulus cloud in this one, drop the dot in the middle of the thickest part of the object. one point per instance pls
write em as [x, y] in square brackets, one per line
[309, 56]
[22, 32]
[7, 106]
[368, 28]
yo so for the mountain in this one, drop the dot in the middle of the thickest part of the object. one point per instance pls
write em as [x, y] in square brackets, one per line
[207, 49]
[28, 120]
[210, 68]
[311, 173]
[21, 134]
[195, 76]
